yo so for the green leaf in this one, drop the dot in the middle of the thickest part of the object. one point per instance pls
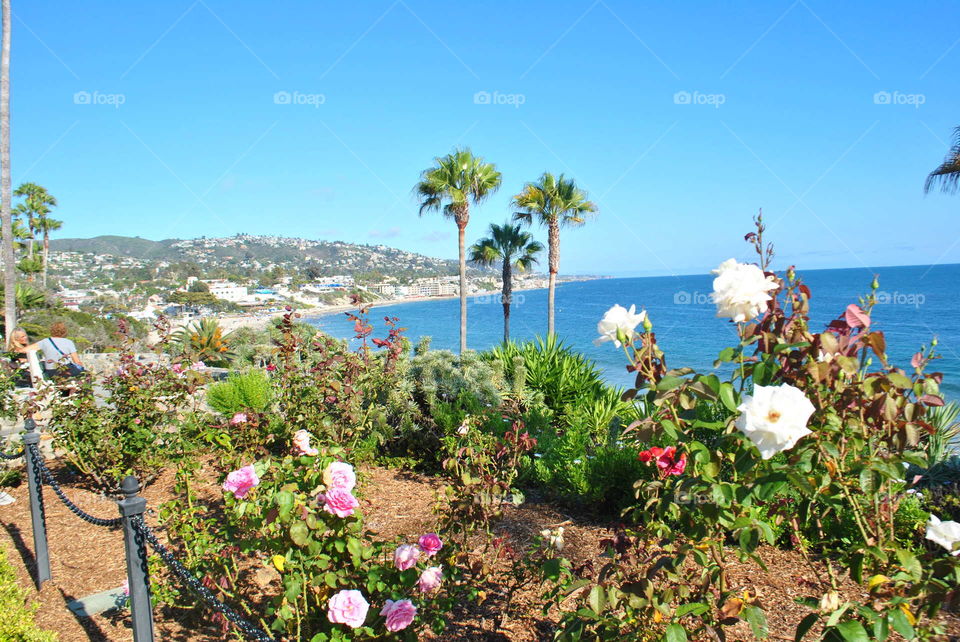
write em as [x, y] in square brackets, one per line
[354, 546]
[805, 625]
[284, 501]
[675, 633]
[551, 568]
[760, 374]
[757, 620]
[881, 628]
[728, 397]
[910, 563]
[669, 383]
[900, 381]
[597, 599]
[853, 631]
[300, 534]
[727, 354]
[900, 623]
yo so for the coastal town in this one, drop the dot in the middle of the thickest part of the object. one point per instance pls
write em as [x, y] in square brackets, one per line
[245, 279]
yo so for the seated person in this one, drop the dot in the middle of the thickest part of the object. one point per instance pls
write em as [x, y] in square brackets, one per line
[60, 353]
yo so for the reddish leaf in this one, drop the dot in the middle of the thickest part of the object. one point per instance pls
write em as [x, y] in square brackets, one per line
[856, 317]
[917, 360]
[932, 400]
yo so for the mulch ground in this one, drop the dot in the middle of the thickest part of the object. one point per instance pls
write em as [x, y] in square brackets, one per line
[86, 559]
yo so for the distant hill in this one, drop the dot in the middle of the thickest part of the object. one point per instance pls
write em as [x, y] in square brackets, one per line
[134, 247]
[329, 257]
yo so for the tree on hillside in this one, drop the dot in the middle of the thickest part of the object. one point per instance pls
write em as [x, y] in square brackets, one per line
[6, 216]
[47, 225]
[35, 208]
[555, 202]
[947, 176]
[448, 187]
[511, 247]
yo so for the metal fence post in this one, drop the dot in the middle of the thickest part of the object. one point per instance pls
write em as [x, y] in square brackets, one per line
[34, 482]
[132, 507]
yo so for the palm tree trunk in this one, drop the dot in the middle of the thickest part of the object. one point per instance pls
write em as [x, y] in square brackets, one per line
[553, 239]
[507, 297]
[46, 255]
[461, 233]
[6, 220]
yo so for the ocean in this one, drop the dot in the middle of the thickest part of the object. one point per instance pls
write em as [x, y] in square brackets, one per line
[917, 303]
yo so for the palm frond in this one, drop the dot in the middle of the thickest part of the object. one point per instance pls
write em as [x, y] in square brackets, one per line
[947, 175]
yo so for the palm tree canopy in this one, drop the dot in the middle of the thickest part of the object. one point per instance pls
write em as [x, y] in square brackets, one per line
[947, 176]
[37, 200]
[553, 199]
[506, 243]
[454, 181]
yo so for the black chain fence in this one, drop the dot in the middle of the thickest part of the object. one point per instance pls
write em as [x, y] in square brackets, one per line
[143, 535]
[194, 584]
[76, 510]
[12, 456]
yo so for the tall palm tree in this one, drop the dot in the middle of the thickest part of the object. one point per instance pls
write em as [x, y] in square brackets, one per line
[35, 207]
[448, 187]
[947, 176]
[512, 247]
[6, 216]
[555, 202]
[47, 225]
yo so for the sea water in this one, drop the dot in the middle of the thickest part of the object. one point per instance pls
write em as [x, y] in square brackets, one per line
[916, 304]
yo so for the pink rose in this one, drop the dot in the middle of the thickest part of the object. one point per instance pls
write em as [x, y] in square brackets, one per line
[348, 607]
[177, 368]
[339, 502]
[406, 556]
[301, 445]
[430, 544]
[340, 475]
[239, 482]
[399, 614]
[430, 579]
[238, 419]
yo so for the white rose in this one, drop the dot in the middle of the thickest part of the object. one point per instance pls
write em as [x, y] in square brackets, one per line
[554, 538]
[946, 534]
[618, 318]
[741, 290]
[774, 418]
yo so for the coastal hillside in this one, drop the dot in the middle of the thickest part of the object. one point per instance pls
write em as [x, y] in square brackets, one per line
[246, 251]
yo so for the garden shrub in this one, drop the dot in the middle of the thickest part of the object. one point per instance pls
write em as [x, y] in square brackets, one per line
[812, 438]
[16, 613]
[125, 423]
[250, 390]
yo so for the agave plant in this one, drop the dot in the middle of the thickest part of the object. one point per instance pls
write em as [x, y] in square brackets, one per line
[944, 442]
[204, 341]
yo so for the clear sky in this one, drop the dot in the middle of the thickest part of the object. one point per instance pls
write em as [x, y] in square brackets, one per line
[185, 118]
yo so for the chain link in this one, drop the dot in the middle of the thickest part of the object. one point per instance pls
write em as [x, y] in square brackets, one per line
[195, 585]
[11, 457]
[76, 510]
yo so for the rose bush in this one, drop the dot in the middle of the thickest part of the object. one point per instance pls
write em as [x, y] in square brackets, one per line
[810, 434]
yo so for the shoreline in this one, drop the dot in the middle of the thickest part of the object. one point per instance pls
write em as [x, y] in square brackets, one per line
[334, 309]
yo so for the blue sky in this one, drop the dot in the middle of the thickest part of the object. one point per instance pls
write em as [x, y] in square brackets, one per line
[314, 119]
